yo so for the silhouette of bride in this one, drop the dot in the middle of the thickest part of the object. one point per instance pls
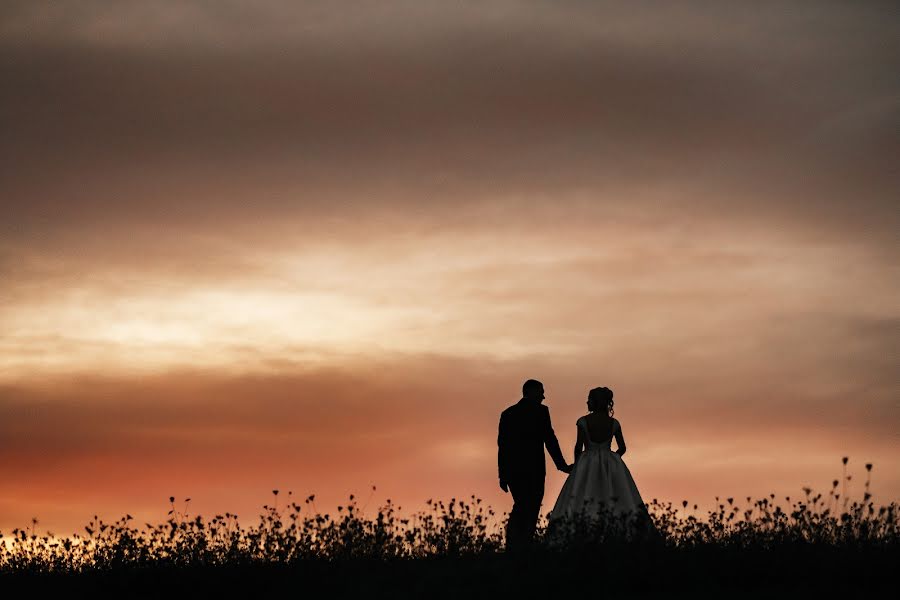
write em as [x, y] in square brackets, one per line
[599, 484]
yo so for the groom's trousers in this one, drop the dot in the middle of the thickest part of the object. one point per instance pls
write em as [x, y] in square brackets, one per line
[527, 493]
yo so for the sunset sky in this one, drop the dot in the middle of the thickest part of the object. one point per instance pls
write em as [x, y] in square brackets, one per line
[319, 247]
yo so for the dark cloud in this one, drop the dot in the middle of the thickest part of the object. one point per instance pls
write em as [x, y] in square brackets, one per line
[787, 114]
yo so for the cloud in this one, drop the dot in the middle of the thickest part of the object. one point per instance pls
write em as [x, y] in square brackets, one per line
[117, 118]
[415, 427]
[299, 244]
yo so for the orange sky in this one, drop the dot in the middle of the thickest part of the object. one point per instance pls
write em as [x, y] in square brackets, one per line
[248, 247]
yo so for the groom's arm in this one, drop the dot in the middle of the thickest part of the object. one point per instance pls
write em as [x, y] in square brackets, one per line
[552, 443]
[503, 452]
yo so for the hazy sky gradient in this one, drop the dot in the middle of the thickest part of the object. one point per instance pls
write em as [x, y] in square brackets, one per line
[247, 246]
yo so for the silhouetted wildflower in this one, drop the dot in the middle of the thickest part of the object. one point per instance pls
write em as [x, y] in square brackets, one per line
[444, 528]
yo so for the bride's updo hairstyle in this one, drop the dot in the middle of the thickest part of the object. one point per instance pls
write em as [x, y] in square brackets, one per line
[600, 399]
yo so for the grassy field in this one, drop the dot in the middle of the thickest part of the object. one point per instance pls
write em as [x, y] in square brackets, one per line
[822, 545]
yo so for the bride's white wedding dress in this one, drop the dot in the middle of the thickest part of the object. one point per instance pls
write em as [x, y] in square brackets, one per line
[599, 482]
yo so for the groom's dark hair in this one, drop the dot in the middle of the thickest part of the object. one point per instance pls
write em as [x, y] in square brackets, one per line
[532, 386]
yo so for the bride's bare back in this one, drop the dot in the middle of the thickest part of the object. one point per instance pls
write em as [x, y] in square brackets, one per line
[601, 428]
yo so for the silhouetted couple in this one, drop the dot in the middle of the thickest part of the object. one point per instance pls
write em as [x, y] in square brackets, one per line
[598, 480]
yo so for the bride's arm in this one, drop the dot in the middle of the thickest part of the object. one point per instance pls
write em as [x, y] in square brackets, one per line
[579, 444]
[620, 441]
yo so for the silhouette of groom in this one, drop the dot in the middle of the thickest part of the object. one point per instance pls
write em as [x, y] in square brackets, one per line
[524, 431]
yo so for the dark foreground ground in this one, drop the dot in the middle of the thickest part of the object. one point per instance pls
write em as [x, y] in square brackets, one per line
[800, 572]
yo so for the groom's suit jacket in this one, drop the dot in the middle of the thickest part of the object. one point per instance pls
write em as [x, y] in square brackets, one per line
[524, 431]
